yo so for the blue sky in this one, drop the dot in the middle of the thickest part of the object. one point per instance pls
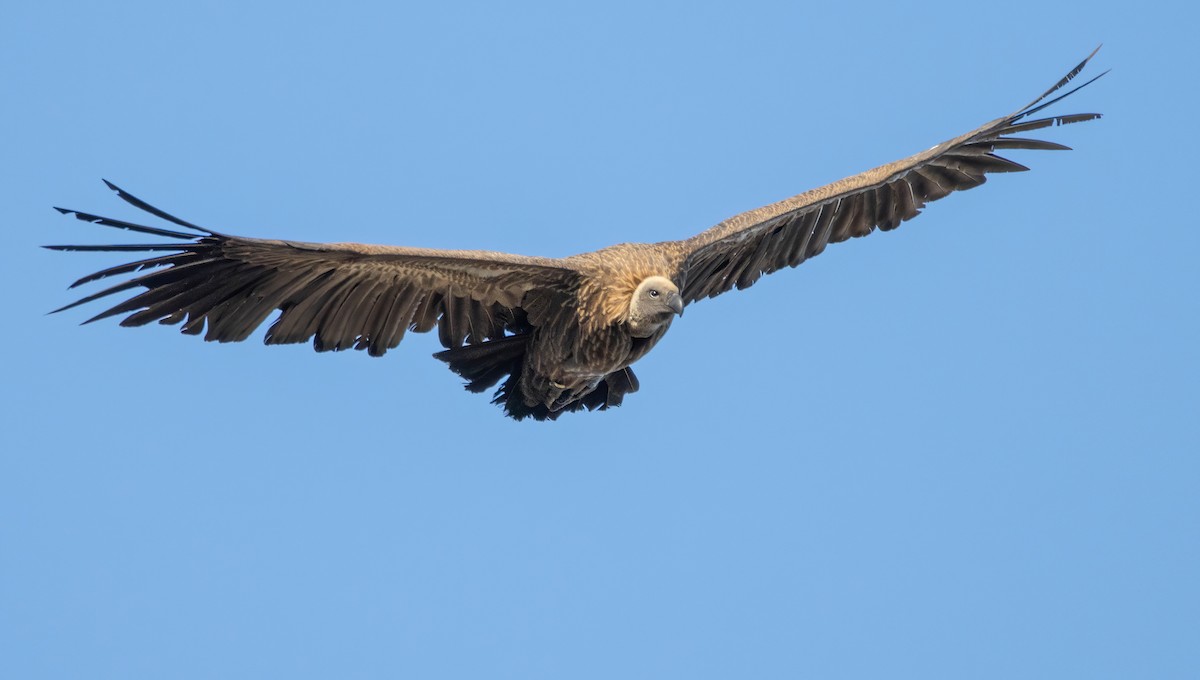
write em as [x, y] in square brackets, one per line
[967, 448]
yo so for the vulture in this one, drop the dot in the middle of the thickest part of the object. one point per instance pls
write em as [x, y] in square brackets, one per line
[557, 334]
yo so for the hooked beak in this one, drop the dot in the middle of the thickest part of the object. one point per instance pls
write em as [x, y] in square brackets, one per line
[675, 303]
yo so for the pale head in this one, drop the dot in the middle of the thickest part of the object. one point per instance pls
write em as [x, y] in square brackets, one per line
[655, 301]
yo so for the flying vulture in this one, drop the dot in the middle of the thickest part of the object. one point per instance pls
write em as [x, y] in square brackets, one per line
[561, 333]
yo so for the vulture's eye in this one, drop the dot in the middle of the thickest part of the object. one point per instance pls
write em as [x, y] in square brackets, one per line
[653, 293]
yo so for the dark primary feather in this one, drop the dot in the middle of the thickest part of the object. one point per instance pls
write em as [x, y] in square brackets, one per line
[120, 224]
[737, 252]
[142, 205]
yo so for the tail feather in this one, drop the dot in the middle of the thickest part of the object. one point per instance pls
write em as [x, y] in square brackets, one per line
[608, 394]
[483, 365]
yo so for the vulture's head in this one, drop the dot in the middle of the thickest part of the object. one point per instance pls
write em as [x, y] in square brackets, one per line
[654, 302]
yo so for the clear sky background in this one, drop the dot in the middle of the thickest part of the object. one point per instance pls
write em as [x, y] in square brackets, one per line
[969, 448]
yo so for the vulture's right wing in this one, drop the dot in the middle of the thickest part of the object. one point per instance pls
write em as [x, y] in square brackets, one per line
[341, 295]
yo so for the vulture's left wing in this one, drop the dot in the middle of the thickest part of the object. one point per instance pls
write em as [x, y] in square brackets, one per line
[340, 295]
[739, 250]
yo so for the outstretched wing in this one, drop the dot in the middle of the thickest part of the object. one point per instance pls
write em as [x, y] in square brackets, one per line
[741, 249]
[341, 295]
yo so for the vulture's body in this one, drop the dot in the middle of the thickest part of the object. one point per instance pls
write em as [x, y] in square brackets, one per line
[561, 333]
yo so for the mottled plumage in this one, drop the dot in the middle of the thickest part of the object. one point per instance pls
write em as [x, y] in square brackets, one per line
[561, 333]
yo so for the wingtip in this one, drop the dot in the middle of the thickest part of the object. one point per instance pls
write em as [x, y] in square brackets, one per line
[1040, 103]
[142, 205]
[1087, 59]
[63, 211]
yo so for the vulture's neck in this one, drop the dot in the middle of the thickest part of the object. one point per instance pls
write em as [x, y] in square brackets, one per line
[645, 326]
